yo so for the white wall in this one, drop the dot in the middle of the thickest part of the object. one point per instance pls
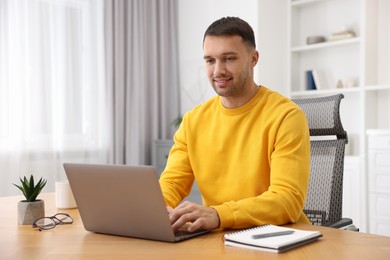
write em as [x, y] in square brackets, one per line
[268, 20]
[273, 44]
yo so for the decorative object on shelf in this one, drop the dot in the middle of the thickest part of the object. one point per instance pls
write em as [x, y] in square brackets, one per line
[352, 82]
[310, 84]
[342, 35]
[315, 39]
[339, 84]
[30, 209]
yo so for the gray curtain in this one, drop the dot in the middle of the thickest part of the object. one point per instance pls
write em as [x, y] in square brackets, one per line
[141, 76]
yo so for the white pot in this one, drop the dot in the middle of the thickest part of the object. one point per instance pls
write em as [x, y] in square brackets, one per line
[28, 212]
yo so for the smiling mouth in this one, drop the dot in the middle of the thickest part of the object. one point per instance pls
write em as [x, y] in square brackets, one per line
[221, 83]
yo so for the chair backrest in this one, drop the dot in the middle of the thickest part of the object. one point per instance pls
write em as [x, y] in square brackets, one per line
[327, 145]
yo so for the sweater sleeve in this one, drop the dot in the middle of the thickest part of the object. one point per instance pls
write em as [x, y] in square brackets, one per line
[289, 175]
[177, 178]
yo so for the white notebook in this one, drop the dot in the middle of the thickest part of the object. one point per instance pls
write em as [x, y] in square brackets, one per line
[276, 243]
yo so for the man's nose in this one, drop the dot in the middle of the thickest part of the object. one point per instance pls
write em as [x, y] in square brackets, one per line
[219, 68]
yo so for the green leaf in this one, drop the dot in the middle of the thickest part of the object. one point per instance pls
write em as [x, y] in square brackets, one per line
[31, 183]
[26, 187]
[176, 122]
[34, 195]
[29, 189]
[20, 188]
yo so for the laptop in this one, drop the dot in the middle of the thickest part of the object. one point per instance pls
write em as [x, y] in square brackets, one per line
[122, 200]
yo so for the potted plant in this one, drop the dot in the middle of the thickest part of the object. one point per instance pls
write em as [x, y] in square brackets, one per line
[31, 208]
[177, 121]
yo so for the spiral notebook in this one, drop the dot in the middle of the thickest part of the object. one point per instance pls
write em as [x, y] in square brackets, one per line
[269, 238]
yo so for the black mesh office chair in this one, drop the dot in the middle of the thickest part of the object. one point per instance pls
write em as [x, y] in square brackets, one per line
[327, 144]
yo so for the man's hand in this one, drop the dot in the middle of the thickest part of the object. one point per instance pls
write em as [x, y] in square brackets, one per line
[199, 217]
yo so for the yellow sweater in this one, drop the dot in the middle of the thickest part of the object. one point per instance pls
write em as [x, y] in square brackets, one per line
[251, 163]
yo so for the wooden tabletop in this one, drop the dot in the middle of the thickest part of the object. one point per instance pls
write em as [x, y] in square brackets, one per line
[74, 242]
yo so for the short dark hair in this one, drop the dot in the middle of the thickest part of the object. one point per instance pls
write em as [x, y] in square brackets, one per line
[232, 26]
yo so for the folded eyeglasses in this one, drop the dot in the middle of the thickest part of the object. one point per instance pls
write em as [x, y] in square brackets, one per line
[46, 223]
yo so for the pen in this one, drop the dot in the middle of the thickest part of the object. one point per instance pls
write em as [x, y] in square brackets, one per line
[274, 234]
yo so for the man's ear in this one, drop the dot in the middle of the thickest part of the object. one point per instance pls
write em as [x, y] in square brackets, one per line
[255, 57]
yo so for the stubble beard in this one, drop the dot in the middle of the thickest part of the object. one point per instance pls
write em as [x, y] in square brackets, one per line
[235, 89]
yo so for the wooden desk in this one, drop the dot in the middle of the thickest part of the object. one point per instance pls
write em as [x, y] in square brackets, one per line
[73, 242]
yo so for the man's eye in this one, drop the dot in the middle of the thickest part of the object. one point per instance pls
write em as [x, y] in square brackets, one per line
[229, 59]
[209, 61]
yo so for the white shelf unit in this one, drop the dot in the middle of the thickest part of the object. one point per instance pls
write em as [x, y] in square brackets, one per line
[364, 59]
[379, 181]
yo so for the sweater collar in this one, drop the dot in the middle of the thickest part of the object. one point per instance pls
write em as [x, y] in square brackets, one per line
[246, 107]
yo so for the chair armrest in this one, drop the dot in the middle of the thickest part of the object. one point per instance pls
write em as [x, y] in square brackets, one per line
[340, 223]
[344, 223]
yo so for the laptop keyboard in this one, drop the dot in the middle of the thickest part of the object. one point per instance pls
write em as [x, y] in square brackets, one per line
[179, 233]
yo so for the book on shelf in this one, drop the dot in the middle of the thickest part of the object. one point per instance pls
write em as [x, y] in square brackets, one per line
[320, 79]
[346, 34]
[310, 84]
[270, 238]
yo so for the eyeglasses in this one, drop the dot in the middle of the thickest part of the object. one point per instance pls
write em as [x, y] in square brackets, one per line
[46, 223]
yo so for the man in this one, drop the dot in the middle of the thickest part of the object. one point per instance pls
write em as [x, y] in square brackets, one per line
[248, 148]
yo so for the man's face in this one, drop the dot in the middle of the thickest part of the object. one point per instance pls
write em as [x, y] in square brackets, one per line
[229, 65]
